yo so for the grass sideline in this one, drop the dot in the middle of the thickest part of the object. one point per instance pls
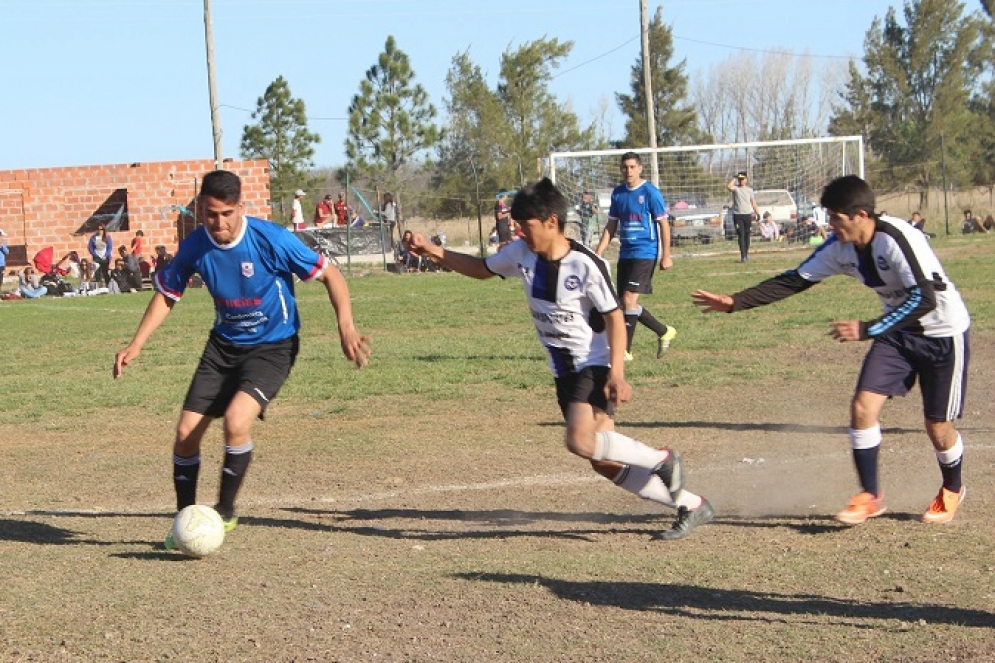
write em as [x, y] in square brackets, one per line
[424, 509]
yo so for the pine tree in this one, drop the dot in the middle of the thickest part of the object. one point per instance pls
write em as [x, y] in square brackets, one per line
[390, 120]
[280, 135]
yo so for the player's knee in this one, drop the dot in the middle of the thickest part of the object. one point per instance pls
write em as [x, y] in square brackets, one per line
[579, 443]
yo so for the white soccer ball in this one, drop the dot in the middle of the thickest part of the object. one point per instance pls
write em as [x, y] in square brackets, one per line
[198, 530]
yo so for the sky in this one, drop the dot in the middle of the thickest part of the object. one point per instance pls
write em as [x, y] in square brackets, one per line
[124, 81]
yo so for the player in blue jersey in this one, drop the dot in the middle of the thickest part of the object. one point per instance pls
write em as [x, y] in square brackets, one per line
[638, 214]
[922, 334]
[248, 265]
[579, 324]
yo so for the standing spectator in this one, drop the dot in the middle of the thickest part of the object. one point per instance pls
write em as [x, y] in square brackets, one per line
[4, 252]
[323, 211]
[567, 287]
[921, 335]
[502, 220]
[248, 265]
[769, 231]
[388, 215]
[136, 243]
[161, 258]
[587, 210]
[297, 211]
[341, 211]
[132, 270]
[744, 211]
[29, 284]
[101, 248]
[971, 224]
[638, 213]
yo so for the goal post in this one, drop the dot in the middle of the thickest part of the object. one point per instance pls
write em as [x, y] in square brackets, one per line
[693, 178]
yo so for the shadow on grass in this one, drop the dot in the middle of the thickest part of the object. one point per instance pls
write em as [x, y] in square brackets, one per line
[738, 604]
[810, 429]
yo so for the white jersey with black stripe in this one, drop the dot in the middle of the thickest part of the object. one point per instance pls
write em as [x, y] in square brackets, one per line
[566, 298]
[901, 267]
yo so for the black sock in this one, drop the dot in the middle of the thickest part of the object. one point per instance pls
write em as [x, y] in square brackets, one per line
[631, 318]
[237, 461]
[646, 318]
[185, 472]
[951, 475]
[866, 462]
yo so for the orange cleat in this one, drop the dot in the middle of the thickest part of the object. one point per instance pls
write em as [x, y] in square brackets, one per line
[861, 507]
[944, 507]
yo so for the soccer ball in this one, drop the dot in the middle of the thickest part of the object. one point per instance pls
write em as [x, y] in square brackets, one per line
[198, 530]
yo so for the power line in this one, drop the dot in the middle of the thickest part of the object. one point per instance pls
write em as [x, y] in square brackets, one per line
[762, 50]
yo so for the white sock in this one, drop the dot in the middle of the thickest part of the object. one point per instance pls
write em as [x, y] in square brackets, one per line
[609, 445]
[952, 454]
[642, 482]
[688, 500]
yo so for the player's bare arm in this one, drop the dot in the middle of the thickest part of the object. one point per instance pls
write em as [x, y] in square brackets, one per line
[356, 347]
[617, 390]
[463, 263]
[711, 303]
[665, 260]
[606, 236]
[155, 313]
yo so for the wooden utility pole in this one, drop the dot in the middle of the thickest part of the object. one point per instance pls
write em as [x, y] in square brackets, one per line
[644, 26]
[212, 89]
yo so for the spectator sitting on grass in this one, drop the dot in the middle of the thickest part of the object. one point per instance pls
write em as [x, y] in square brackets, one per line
[29, 284]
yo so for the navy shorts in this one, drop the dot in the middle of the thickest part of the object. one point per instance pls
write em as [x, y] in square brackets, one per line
[635, 275]
[895, 361]
[584, 386]
[226, 369]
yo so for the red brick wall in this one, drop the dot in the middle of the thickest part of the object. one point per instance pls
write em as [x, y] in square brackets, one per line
[44, 206]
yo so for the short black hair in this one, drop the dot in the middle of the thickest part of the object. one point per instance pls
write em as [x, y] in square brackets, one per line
[540, 201]
[848, 195]
[223, 185]
[633, 156]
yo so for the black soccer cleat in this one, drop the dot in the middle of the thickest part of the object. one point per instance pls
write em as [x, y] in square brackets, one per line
[687, 520]
[670, 473]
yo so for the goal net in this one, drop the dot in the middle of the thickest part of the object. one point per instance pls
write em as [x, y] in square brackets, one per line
[788, 177]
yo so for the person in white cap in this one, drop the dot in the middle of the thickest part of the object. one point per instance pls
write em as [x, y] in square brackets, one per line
[297, 216]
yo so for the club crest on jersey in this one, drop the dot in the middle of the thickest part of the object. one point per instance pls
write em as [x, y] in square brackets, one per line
[883, 264]
[572, 282]
[248, 269]
[642, 199]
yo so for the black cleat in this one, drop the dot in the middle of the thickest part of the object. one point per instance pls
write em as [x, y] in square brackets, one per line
[687, 520]
[670, 473]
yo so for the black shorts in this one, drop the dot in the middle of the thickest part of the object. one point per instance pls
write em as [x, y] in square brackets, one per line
[585, 386]
[226, 369]
[895, 361]
[635, 275]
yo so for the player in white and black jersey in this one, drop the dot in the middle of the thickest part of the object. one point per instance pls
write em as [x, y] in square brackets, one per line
[922, 334]
[580, 325]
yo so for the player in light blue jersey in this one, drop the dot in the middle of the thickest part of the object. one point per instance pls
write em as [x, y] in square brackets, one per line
[248, 266]
[638, 214]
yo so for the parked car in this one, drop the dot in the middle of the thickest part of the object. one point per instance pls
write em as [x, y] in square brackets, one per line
[780, 204]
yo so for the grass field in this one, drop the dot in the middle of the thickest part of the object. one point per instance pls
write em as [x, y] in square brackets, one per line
[424, 509]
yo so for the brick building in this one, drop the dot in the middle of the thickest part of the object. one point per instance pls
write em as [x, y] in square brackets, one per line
[61, 207]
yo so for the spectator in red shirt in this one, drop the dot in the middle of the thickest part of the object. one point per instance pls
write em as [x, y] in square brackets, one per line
[323, 211]
[341, 211]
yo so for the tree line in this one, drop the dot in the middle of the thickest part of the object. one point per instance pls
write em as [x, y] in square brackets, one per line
[922, 96]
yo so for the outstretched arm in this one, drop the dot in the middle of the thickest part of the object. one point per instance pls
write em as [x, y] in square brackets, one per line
[355, 346]
[711, 303]
[155, 313]
[463, 263]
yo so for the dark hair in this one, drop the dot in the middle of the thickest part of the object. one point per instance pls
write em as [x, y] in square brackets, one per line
[631, 156]
[223, 185]
[540, 201]
[848, 195]
[967, 211]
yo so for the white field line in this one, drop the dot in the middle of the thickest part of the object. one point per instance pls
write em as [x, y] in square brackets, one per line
[540, 480]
